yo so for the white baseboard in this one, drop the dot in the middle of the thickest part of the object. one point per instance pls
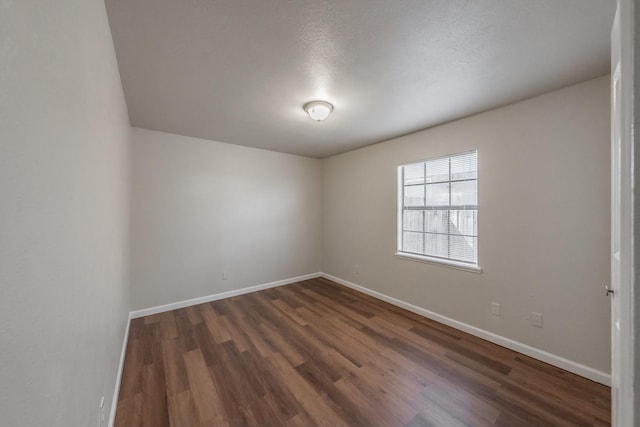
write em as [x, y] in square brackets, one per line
[552, 359]
[208, 298]
[116, 391]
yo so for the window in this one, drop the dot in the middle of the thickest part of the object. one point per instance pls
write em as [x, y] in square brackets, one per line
[438, 210]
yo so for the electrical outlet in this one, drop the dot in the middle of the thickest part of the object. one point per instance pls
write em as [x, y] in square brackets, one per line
[495, 309]
[356, 269]
[101, 412]
[225, 274]
[536, 319]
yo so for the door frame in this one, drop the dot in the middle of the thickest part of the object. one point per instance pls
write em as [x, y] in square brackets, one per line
[624, 380]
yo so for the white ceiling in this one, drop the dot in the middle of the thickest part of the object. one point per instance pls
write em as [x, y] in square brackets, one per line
[239, 71]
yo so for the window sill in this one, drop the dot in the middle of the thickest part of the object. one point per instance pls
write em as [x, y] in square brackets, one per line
[439, 261]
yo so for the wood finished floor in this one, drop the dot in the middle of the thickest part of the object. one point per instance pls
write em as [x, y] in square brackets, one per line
[317, 353]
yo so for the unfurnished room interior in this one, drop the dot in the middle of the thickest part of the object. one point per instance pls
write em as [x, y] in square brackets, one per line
[319, 213]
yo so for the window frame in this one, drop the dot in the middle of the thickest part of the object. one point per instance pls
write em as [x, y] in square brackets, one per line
[446, 262]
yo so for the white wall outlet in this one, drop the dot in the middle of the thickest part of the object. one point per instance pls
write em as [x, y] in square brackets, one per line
[356, 269]
[495, 309]
[536, 319]
[101, 412]
[225, 274]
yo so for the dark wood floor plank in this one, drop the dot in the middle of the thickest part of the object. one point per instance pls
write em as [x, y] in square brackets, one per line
[238, 337]
[576, 399]
[131, 382]
[154, 405]
[281, 343]
[168, 326]
[358, 398]
[182, 411]
[315, 353]
[326, 387]
[206, 345]
[206, 397]
[289, 311]
[278, 394]
[434, 415]
[313, 403]
[129, 411]
[463, 405]
[150, 342]
[255, 339]
[174, 372]
[186, 331]
[194, 313]
[217, 327]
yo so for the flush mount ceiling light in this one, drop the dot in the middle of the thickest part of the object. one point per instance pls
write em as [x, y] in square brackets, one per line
[318, 110]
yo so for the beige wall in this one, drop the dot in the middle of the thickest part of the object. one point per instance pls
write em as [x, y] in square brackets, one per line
[202, 207]
[64, 178]
[543, 222]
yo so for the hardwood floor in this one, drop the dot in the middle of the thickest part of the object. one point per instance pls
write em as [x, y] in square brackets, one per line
[317, 353]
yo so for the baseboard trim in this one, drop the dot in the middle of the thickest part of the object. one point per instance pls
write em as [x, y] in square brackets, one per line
[116, 391]
[208, 298]
[552, 359]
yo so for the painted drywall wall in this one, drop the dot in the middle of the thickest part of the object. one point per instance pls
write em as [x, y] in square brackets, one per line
[543, 222]
[201, 208]
[64, 168]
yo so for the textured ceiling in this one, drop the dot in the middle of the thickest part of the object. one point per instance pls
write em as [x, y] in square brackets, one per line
[239, 71]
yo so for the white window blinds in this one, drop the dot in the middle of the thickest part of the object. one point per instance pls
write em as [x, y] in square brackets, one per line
[438, 208]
